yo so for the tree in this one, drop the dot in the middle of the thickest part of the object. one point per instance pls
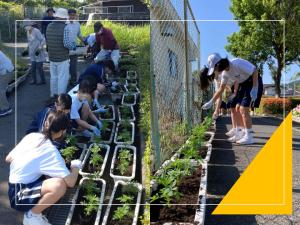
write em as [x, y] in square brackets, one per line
[262, 42]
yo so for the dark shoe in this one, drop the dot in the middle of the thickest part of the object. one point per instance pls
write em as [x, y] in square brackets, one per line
[41, 83]
[5, 112]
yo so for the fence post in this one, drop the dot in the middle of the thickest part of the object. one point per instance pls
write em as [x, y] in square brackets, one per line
[187, 113]
[154, 112]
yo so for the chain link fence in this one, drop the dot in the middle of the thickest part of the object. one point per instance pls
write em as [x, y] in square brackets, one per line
[175, 63]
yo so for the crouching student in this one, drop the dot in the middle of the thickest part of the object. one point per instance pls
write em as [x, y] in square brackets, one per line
[62, 103]
[81, 114]
[249, 91]
[38, 175]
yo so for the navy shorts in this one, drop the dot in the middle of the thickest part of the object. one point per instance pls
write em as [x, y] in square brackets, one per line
[24, 197]
[232, 103]
[243, 95]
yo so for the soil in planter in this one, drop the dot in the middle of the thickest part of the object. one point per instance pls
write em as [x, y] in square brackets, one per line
[124, 133]
[189, 188]
[79, 218]
[108, 114]
[127, 220]
[89, 168]
[126, 113]
[129, 99]
[202, 152]
[129, 168]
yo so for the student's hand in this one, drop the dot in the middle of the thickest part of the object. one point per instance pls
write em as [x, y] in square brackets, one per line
[114, 84]
[76, 163]
[100, 110]
[99, 124]
[96, 131]
[207, 105]
[253, 93]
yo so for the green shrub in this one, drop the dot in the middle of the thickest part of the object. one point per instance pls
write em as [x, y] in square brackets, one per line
[274, 106]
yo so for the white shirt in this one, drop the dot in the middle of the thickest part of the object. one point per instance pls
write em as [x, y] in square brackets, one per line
[74, 30]
[76, 105]
[6, 65]
[239, 70]
[34, 157]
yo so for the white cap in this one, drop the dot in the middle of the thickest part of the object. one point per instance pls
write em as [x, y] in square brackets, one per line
[212, 60]
[61, 13]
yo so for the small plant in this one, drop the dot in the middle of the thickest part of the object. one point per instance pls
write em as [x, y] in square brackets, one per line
[123, 211]
[90, 187]
[108, 114]
[91, 204]
[129, 98]
[131, 88]
[96, 159]
[125, 158]
[124, 133]
[71, 140]
[68, 153]
[125, 112]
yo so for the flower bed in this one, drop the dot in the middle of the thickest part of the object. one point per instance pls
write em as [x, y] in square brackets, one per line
[123, 164]
[124, 204]
[87, 202]
[274, 106]
[126, 113]
[95, 160]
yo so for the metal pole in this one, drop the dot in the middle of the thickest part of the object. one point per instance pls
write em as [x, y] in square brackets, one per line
[153, 104]
[186, 74]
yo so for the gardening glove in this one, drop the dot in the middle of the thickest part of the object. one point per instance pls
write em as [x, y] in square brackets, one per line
[96, 131]
[99, 124]
[114, 85]
[100, 110]
[253, 94]
[76, 163]
[207, 105]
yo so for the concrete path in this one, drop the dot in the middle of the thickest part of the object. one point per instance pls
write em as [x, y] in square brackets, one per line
[229, 160]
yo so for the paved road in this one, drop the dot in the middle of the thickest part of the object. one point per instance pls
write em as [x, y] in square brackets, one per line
[229, 160]
[30, 99]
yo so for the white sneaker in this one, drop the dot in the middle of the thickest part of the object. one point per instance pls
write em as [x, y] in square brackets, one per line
[35, 219]
[246, 140]
[236, 137]
[231, 132]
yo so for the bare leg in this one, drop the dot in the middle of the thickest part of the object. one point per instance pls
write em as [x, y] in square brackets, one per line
[246, 117]
[52, 190]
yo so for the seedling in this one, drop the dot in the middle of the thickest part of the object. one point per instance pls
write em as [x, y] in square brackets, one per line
[124, 133]
[123, 211]
[90, 187]
[90, 203]
[125, 112]
[125, 158]
[71, 140]
[131, 88]
[69, 152]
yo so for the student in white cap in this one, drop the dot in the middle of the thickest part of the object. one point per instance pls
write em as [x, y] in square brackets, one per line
[249, 92]
[59, 43]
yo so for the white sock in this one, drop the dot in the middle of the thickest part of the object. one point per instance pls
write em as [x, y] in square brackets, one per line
[248, 131]
[30, 213]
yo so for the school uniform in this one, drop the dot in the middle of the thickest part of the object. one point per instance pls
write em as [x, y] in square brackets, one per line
[241, 70]
[33, 159]
[76, 108]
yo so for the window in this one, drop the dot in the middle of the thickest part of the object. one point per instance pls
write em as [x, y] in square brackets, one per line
[173, 63]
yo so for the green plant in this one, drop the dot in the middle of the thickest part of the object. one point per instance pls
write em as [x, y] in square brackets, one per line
[124, 133]
[126, 199]
[121, 212]
[125, 158]
[125, 112]
[131, 88]
[90, 187]
[69, 152]
[91, 204]
[71, 140]
[275, 106]
[96, 159]
[129, 98]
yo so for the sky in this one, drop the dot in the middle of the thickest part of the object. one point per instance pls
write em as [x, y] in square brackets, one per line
[213, 35]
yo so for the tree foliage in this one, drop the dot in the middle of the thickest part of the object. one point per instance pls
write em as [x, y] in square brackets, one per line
[263, 41]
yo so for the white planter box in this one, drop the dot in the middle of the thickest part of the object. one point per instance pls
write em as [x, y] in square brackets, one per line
[135, 90]
[132, 119]
[17, 82]
[113, 116]
[87, 157]
[131, 81]
[112, 133]
[114, 159]
[74, 200]
[131, 74]
[118, 184]
[126, 103]
[132, 135]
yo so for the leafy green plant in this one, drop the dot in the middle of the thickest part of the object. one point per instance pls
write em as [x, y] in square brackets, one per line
[68, 153]
[91, 204]
[124, 211]
[71, 140]
[90, 187]
[131, 88]
[124, 160]
[96, 159]
[124, 133]
[129, 98]
[108, 114]
[125, 112]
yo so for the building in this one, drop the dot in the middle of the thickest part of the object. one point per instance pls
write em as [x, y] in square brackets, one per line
[117, 10]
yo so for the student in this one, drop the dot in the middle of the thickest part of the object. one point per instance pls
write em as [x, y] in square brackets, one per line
[37, 52]
[62, 103]
[81, 112]
[106, 44]
[6, 75]
[98, 71]
[249, 92]
[38, 175]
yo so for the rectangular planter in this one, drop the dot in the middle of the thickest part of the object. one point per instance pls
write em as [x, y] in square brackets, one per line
[125, 99]
[121, 115]
[117, 191]
[17, 82]
[131, 74]
[131, 81]
[75, 212]
[111, 111]
[129, 142]
[114, 160]
[85, 167]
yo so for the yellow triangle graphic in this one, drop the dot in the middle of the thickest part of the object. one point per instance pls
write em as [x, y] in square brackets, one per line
[266, 185]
